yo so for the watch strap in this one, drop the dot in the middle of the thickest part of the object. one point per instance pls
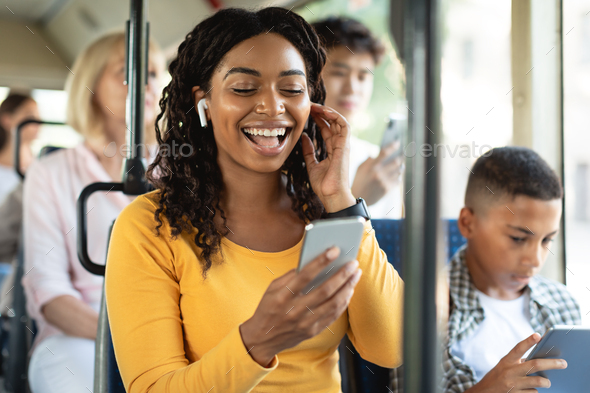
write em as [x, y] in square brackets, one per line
[358, 209]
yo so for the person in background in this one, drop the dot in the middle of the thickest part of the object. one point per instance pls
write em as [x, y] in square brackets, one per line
[15, 109]
[62, 296]
[11, 216]
[353, 54]
[499, 305]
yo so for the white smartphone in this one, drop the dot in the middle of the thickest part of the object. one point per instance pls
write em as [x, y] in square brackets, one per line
[345, 233]
[394, 132]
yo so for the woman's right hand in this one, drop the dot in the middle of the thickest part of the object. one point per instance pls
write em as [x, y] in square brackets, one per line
[285, 316]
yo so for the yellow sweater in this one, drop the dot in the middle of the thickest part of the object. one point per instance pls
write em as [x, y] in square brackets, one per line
[174, 331]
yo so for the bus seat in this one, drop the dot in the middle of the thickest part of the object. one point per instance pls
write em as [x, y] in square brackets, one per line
[361, 375]
[389, 236]
[115, 383]
[107, 377]
[45, 150]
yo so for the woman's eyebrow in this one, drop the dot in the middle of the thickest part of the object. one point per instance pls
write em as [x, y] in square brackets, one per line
[241, 70]
[291, 72]
[251, 71]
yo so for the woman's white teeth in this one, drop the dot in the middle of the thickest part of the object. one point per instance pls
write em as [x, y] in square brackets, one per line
[265, 131]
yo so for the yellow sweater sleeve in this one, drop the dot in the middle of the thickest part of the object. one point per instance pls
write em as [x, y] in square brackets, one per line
[375, 311]
[143, 296]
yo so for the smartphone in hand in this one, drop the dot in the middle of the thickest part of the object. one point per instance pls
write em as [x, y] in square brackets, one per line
[345, 233]
[394, 131]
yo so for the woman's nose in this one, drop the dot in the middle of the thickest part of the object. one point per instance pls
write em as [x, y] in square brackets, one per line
[270, 104]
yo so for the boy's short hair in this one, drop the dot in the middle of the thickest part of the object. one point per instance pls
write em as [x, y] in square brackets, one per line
[341, 31]
[510, 172]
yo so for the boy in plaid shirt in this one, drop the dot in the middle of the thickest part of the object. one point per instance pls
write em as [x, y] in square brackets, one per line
[499, 306]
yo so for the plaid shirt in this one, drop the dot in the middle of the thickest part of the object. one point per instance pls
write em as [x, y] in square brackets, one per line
[550, 304]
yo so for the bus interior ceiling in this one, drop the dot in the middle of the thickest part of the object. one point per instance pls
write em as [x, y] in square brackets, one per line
[39, 39]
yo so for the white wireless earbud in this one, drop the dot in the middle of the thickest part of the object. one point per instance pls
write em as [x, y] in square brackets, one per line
[201, 106]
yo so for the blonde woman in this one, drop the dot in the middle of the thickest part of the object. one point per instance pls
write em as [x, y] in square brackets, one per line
[62, 297]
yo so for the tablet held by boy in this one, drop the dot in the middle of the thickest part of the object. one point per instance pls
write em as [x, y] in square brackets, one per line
[499, 305]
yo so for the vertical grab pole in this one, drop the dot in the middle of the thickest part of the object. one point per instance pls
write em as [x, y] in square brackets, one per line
[423, 247]
[101, 367]
[134, 182]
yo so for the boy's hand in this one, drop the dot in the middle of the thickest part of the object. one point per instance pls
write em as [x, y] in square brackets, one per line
[512, 373]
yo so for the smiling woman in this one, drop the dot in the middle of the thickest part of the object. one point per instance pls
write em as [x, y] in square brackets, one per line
[213, 251]
[245, 94]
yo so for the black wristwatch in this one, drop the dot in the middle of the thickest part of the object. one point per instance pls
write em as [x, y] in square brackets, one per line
[359, 209]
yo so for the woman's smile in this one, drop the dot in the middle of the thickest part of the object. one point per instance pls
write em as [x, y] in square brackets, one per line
[267, 138]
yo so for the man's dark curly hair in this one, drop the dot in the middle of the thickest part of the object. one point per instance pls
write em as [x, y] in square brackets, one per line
[340, 31]
[190, 186]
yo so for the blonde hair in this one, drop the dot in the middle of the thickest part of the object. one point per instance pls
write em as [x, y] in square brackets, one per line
[82, 113]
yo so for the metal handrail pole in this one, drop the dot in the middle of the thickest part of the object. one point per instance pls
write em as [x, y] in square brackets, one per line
[423, 248]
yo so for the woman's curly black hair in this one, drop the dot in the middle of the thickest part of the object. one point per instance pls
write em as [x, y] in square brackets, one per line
[190, 186]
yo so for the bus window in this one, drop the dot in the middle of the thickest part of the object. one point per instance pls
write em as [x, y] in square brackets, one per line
[576, 96]
[52, 107]
[475, 91]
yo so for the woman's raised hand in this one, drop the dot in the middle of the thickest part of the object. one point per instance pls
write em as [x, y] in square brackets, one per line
[285, 316]
[329, 178]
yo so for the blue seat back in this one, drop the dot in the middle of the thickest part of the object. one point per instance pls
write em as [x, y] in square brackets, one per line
[389, 234]
[45, 150]
[369, 377]
[115, 383]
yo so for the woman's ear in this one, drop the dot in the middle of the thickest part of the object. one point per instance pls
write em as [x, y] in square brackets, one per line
[198, 95]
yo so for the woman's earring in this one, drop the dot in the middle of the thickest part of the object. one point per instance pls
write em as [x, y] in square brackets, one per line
[201, 106]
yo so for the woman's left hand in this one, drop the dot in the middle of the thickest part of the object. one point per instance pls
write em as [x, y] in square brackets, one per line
[329, 178]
